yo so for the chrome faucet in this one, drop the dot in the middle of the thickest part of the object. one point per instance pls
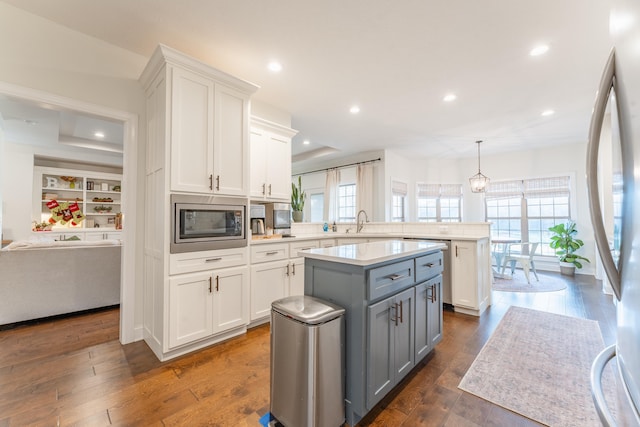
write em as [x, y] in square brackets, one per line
[360, 224]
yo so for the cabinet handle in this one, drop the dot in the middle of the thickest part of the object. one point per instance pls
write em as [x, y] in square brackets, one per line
[217, 283]
[272, 253]
[212, 259]
[456, 251]
[209, 284]
[293, 269]
[269, 189]
[395, 307]
[217, 182]
[434, 297]
[264, 188]
[287, 270]
[430, 264]
[210, 182]
[401, 316]
[397, 276]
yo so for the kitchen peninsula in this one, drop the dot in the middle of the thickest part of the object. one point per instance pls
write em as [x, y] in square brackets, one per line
[391, 291]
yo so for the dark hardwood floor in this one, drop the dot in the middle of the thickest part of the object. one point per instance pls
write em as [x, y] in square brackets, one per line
[74, 372]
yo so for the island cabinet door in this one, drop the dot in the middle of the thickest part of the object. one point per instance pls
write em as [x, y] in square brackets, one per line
[380, 350]
[423, 295]
[390, 354]
[434, 312]
[403, 317]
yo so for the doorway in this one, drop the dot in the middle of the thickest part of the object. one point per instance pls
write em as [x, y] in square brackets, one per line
[129, 121]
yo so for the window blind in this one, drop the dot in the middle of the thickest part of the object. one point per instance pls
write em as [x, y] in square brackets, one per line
[399, 187]
[504, 189]
[451, 191]
[546, 187]
[428, 190]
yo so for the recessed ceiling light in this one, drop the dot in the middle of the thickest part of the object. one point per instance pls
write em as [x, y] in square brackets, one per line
[306, 142]
[99, 134]
[354, 110]
[548, 112]
[539, 50]
[449, 97]
[275, 66]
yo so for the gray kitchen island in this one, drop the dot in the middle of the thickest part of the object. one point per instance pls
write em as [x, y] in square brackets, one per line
[391, 291]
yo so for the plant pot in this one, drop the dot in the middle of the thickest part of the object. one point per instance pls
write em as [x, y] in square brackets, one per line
[567, 269]
[297, 216]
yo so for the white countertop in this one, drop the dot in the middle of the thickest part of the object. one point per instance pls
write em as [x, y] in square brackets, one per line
[364, 254]
[332, 235]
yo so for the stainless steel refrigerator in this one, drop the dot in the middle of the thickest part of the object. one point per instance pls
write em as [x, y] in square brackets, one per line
[620, 253]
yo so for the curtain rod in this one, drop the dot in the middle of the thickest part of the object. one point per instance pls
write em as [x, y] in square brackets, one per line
[339, 167]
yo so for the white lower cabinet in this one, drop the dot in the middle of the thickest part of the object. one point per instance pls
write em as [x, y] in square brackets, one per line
[204, 304]
[296, 276]
[470, 276]
[268, 283]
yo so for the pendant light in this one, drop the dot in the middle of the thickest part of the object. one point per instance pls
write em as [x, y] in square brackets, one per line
[478, 181]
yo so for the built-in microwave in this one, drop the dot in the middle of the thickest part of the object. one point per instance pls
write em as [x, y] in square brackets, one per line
[202, 223]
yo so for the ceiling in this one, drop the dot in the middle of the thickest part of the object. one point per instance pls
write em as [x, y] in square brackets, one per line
[395, 60]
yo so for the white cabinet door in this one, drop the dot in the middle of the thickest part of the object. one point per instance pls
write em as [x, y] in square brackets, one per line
[270, 160]
[464, 269]
[296, 277]
[230, 143]
[268, 283]
[191, 132]
[258, 164]
[230, 298]
[190, 308]
[279, 168]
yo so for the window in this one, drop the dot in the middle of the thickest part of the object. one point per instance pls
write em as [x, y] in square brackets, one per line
[347, 203]
[525, 209]
[439, 202]
[316, 201]
[398, 198]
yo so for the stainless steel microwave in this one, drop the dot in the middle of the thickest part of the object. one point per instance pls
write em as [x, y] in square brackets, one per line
[202, 223]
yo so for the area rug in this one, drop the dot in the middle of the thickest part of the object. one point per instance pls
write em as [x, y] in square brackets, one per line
[518, 283]
[538, 364]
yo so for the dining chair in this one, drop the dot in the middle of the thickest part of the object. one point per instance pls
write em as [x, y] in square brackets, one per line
[524, 257]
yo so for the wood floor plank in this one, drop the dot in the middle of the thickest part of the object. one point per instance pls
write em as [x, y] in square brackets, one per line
[74, 372]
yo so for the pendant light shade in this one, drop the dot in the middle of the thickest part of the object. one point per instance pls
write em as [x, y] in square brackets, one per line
[478, 181]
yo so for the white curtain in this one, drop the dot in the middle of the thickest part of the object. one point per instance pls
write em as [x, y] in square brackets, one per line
[331, 195]
[364, 189]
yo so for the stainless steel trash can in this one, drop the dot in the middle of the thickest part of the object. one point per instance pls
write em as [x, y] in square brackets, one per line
[307, 362]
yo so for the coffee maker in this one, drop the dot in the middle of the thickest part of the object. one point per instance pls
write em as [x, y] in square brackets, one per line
[257, 215]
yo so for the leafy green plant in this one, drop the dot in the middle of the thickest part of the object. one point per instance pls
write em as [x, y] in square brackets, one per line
[565, 243]
[297, 196]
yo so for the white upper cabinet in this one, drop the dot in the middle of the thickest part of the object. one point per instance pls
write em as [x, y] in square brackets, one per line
[191, 132]
[205, 118]
[270, 160]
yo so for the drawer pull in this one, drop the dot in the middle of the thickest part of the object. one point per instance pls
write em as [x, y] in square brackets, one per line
[397, 276]
[212, 259]
[305, 249]
[430, 264]
[272, 253]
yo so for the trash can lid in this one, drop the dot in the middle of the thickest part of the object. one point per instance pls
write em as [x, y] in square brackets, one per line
[307, 309]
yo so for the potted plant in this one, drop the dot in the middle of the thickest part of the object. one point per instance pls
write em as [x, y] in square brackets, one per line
[565, 244]
[297, 200]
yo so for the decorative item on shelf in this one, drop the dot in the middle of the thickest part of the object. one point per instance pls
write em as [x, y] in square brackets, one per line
[51, 182]
[65, 212]
[49, 196]
[119, 221]
[565, 244]
[41, 226]
[103, 199]
[102, 209]
[297, 200]
[104, 186]
[478, 181]
[89, 185]
[116, 188]
[71, 180]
